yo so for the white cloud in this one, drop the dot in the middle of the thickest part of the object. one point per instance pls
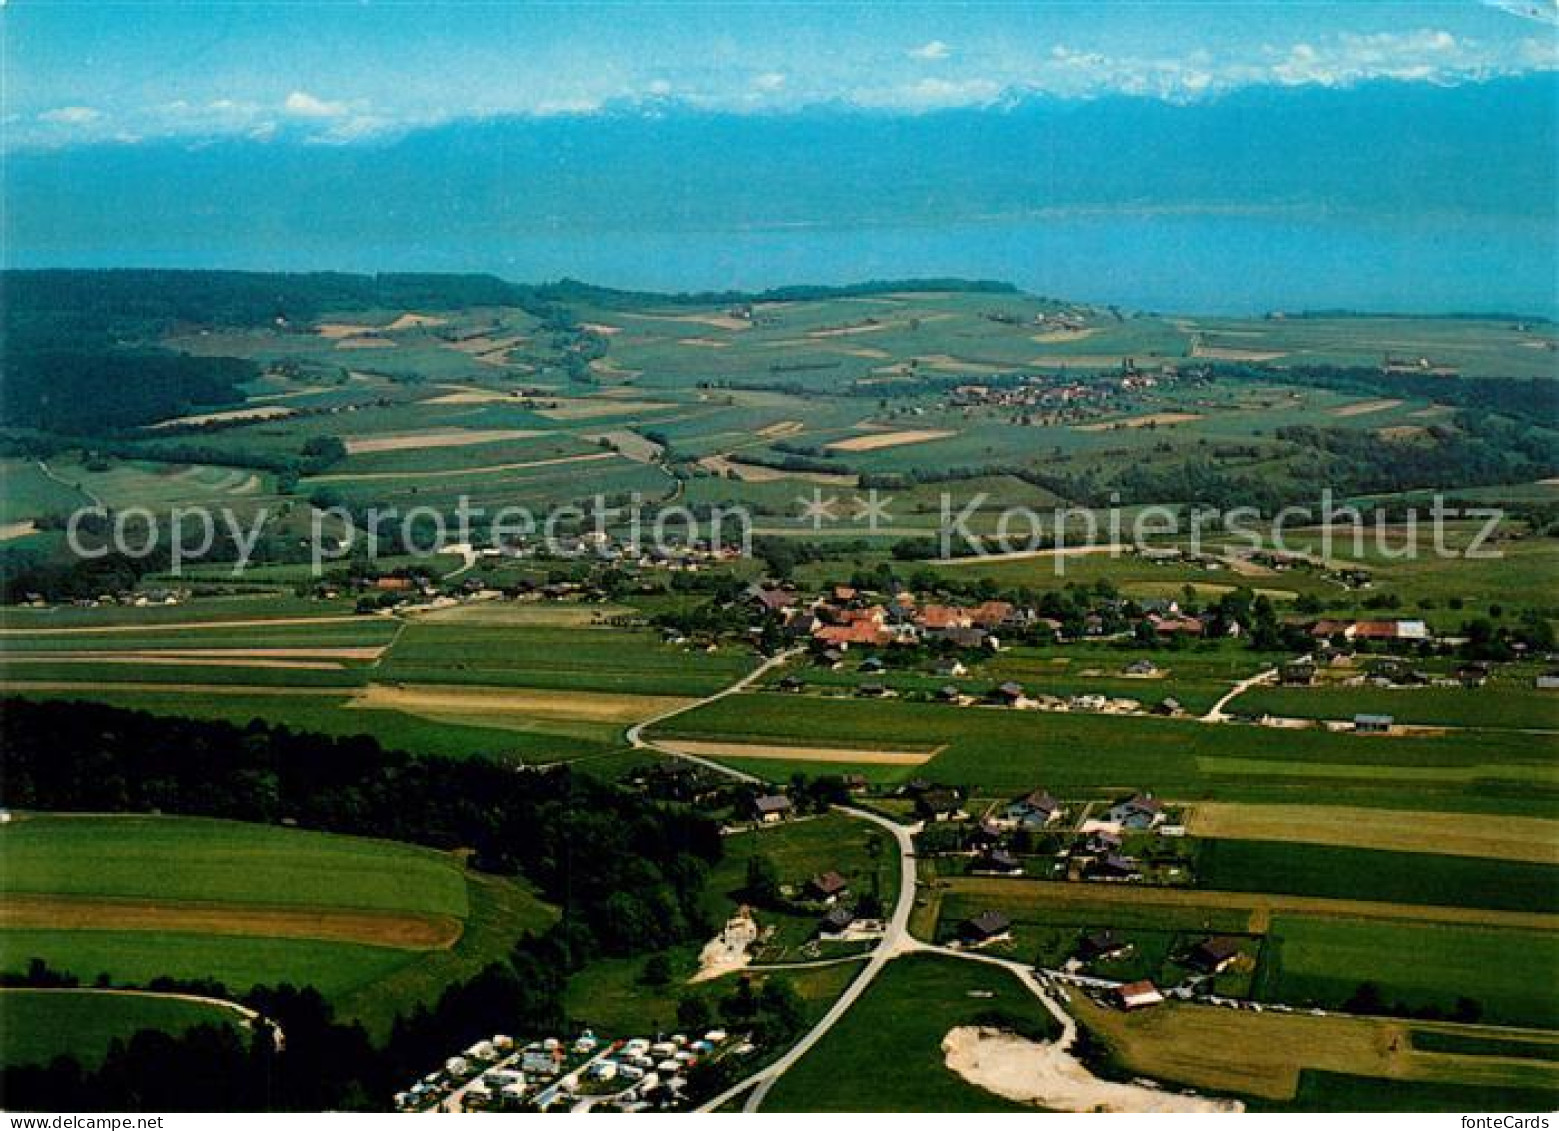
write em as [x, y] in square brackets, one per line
[71, 116]
[302, 104]
[769, 81]
[931, 51]
[932, 94]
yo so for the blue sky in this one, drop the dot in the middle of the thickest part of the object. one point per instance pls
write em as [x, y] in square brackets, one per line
[348, 71]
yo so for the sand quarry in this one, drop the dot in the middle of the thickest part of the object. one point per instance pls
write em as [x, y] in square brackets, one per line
[1048, 1076]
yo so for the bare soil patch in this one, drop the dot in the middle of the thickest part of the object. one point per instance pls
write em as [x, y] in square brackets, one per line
[338, 330]
[1046, 1075]
[413, 321]
[880, 440]
[499, 703]
[1152, 418]
[1364, 408]
[718, 321]
[232, 415]
[586, 409]
[403, 930]
[436, 438]
[798, 753]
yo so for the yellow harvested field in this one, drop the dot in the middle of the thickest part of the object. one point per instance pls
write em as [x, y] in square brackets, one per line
[10, 530]
[847, 331]
[459, 472]
[464, 394]
[946, 363]
[704, 343]
[495, 705]
[602, 328]
[1016, 894]
[1151, 419]
[1251, 1054]
[1458, 834]
[411, 321]
[838, 754]
[1052, 336]
[527, 614]
[404, 930]
[229, 416]
[781, 428]
[1234, 353]
[878, 440]
[586, 409]
[338, 330]
[436, 438]
[365, 344]
[1364, 408]
[718, 321]
[1262, 1054]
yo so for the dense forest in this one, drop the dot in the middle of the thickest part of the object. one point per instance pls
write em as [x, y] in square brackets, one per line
[627, 873]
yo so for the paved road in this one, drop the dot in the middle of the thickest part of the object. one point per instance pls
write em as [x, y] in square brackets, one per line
[895, 940]
[635, 733]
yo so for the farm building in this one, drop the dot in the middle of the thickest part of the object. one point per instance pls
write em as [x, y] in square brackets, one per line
[1096, 945]
[1009, 694]
[939, 805]
[1034, 810]
[1138, 995]
[999, 861]
[837, 921]
[827, 886]
[1214, 955]
[986, 927]
[1372, 724]
[1139, 811]
[770, 807]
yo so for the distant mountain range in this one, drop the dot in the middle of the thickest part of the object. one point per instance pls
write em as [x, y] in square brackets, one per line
[484, 195]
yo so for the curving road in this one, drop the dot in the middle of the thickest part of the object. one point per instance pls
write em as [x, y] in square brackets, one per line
[895, 940]
[635, 733]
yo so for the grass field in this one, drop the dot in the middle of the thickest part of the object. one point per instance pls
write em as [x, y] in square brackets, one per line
[1088, 756]
[1510, 973]
[886, 1053]
[1335, 872]
[142, 897]
[42, 1024]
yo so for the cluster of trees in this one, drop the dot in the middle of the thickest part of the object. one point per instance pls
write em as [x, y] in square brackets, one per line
[87, 391]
